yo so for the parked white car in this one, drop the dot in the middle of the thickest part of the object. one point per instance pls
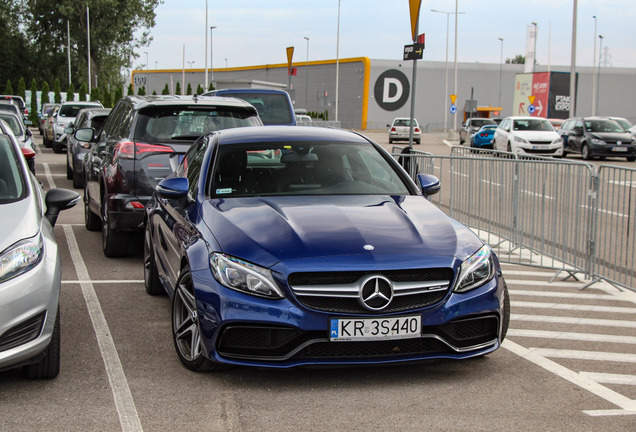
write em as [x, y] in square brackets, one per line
[400, 130]
[533, 136]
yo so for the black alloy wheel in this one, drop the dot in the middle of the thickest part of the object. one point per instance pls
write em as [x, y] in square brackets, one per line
[585, 152]
[114, 244]
[185, 327]
[91, 220]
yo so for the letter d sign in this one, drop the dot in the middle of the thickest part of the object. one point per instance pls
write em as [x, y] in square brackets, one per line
[391, 90]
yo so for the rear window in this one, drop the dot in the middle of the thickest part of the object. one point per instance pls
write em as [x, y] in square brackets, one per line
[482, 122]
[273, 108]
[185, 123]
[532, 125]
[13, 123]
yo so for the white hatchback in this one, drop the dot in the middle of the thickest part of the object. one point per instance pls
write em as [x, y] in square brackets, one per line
[400, 130]
[532, 136]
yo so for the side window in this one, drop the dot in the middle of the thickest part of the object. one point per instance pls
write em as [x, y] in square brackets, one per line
[190, 166]
[126, 121]
[113, 120]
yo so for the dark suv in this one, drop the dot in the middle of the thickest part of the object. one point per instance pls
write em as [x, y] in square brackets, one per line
[143, 140]
[597, 137]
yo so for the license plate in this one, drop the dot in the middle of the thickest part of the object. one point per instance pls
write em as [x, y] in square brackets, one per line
[347, 329]
[619, 149]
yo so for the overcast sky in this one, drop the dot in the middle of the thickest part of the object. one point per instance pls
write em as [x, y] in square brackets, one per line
[257, 32]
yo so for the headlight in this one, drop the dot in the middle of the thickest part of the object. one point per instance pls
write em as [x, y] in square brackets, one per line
[521, 140]
[476, 270]
[242, 276]
[597, 141]
[21, 257]
[558, 141]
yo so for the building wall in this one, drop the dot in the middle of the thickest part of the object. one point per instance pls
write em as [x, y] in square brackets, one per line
[314, 88]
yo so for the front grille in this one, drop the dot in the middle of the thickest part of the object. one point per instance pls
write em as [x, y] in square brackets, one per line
[542, 151]
[339, 292]
[278, 343]
[24, 332]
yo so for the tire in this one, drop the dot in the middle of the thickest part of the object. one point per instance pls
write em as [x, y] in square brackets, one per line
[417, 141]
[509, 147]
[505, 319]
[114, 244]
[78, 180]
[57, 148]
[631, 158]
[46, 142]
[91, 220]
[585, 152]
[151, 275]
[69, 170]
[185, 327]
[49, 366]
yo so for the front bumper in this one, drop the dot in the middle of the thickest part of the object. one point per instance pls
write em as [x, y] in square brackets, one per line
[239, 329]
[539, 149]
[610, 150]
[29, 305]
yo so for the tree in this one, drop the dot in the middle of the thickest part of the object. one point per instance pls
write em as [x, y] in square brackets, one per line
[107, 99]
[82, 92]
[34, 102]
[189, 90]
[58, 91]
[95, 94]
[70, 93]
[22, 88]
[131, 90]
[199, 89]
[118, 94]
[8, 89]
[118, 28]
[45, 94]
[142, 91]
[211, 86]
[518, 59]
[177, 88]
[166, 90]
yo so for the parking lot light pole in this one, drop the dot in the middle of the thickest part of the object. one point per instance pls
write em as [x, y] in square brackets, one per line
[534, 52]
[598, 78]
[594, 77]
[211, 59]
[307, 73]
[500, 69]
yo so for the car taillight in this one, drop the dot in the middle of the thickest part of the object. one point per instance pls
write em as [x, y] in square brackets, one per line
[393, 129]
[28, 153]
[416, 130]
[130, 150]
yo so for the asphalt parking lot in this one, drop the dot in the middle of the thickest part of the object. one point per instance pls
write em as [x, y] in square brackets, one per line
[569, 362]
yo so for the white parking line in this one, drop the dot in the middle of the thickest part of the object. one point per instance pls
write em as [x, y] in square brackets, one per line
[585, 355]
[545, 334]
[575, 307]
[569, 295]
[572, 320]
[606, 378]
[627, 405]
[48, 175]
[128, 416]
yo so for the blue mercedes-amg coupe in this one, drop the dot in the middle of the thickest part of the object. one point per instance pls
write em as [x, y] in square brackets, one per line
[304, 246]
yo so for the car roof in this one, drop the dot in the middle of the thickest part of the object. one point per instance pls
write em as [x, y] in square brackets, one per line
[243, 90]
[141, 102]
[92, 112]
[287, 133]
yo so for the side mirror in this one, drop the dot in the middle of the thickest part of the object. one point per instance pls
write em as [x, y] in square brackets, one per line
[28, 122]
[28, 132]
[429, 184]
[173, 188]
[57, 200]
[85, 134]
[68, 130]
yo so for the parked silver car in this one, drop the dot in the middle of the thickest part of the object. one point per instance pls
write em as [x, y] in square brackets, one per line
[65, 117]
[30, 267]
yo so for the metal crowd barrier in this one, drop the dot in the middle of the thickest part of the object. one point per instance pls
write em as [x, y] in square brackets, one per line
[544, 212]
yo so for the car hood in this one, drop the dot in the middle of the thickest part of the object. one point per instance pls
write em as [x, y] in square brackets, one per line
[20, 220]
[625, 138]
[537, 135]
[270, 230]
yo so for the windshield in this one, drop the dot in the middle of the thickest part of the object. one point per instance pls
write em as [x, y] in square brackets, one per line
[13, 123]
[167, 124]
[303, 168]
[71, 110]
[623, 123]
[273, 108]
[404, 122]
[532, 125]
[482, 122]
[603, 126]
[12, 186]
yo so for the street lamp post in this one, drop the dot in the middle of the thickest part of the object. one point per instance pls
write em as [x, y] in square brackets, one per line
[307, 73]
[211, 59]
[598, 79]
[147, 64]
[446, 96]
[337, 59]
[500, 68]
[534, 50]
[455, 61]
[190, 63]
[206, 44]
[594, 72]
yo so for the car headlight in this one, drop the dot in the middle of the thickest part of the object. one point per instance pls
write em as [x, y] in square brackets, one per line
[521, 140]
[21, 257]
[242, 276]
[558, 141]
[597, 141]
[476, 270]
